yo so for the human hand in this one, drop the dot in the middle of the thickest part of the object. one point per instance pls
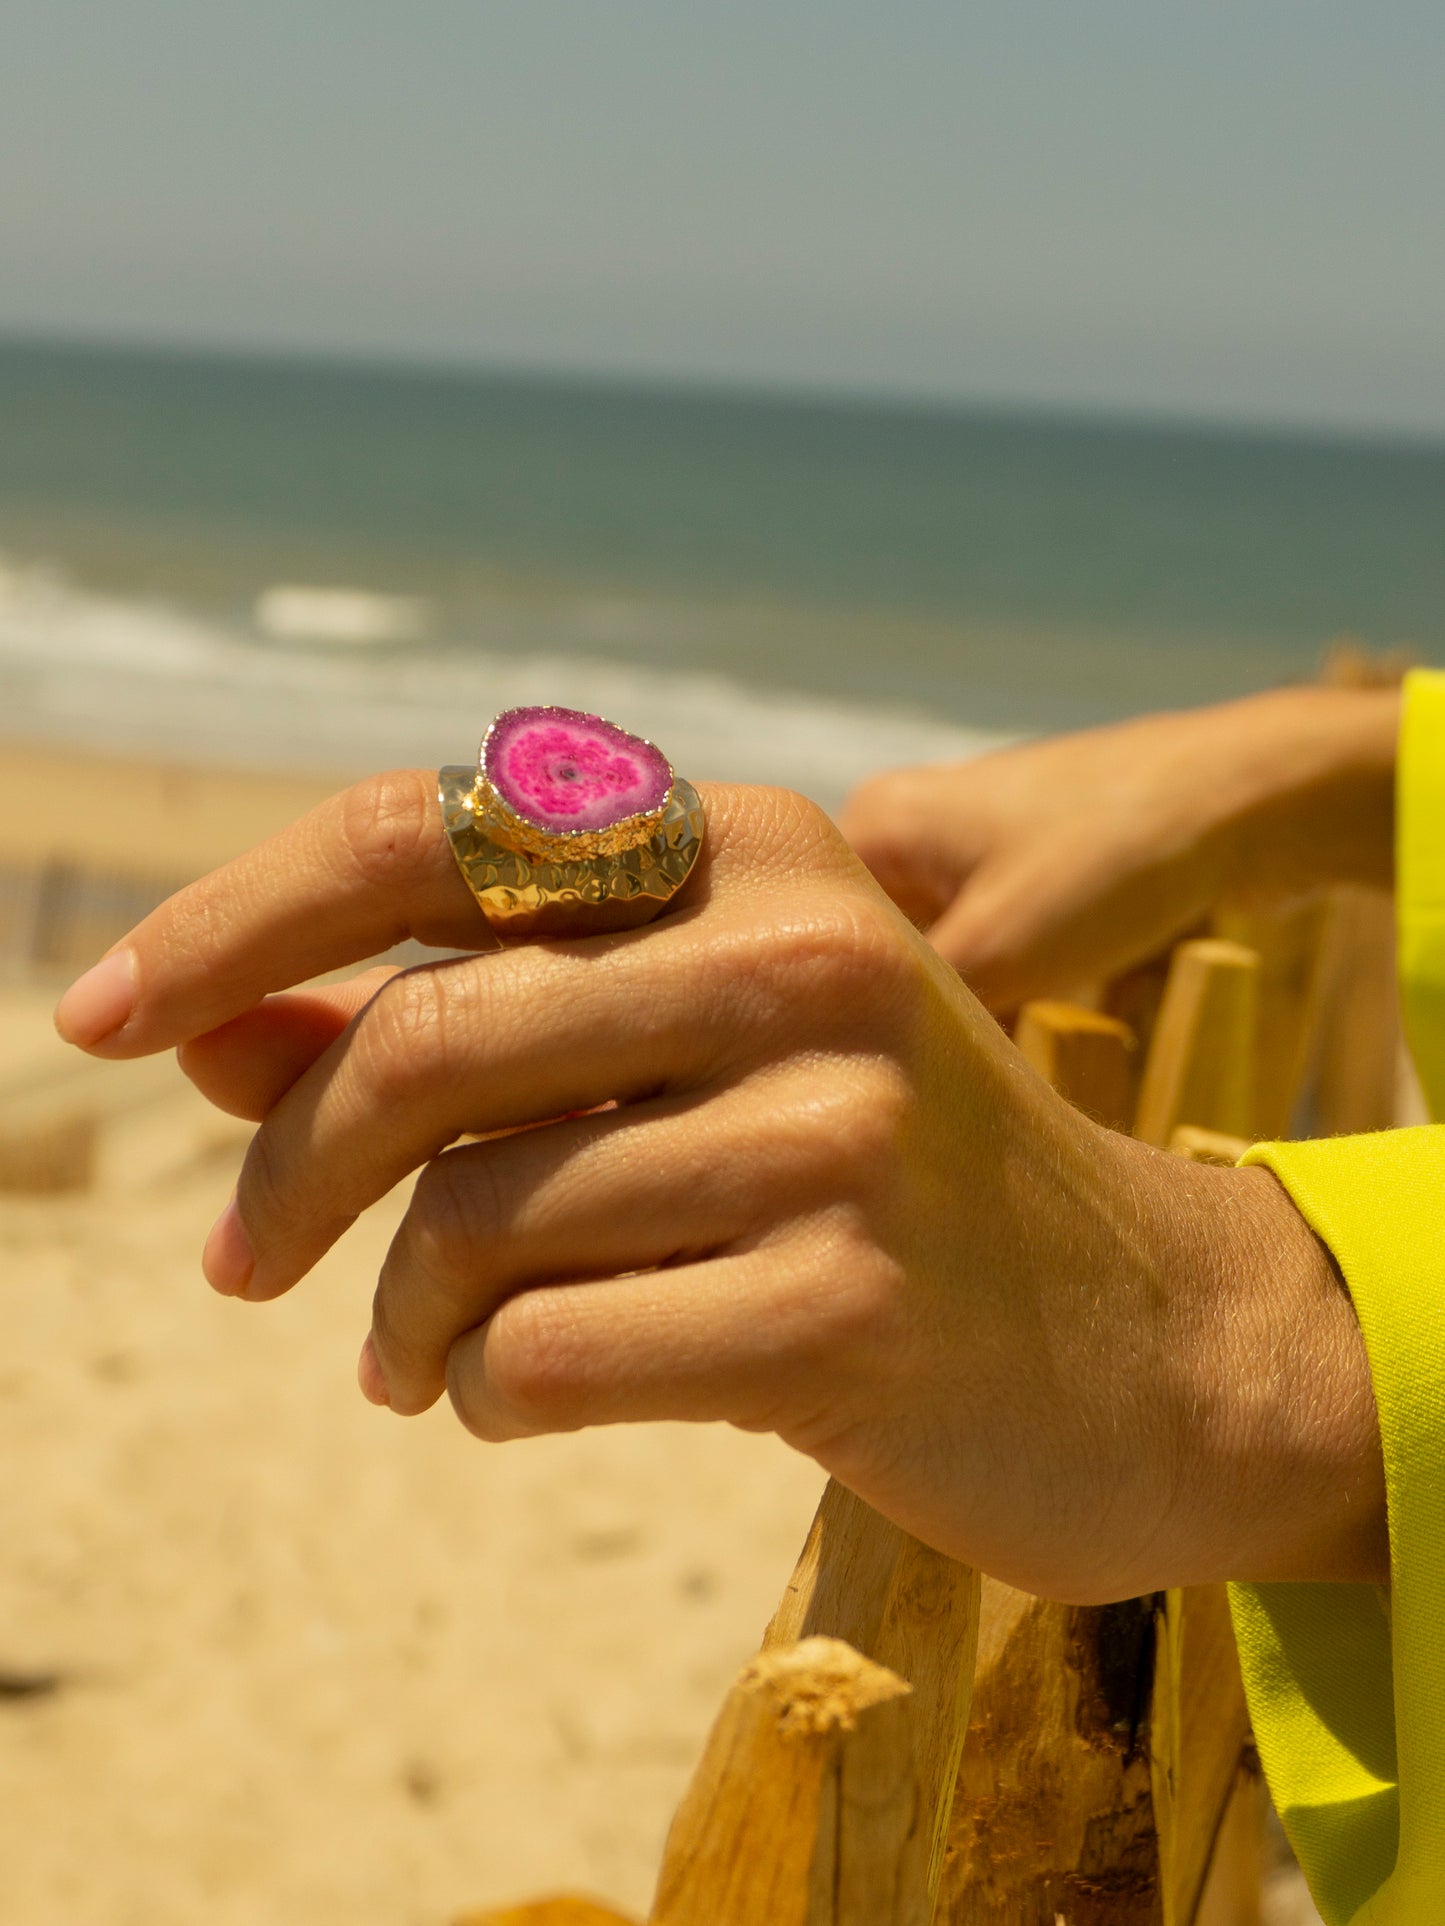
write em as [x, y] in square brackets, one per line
[831, 1201]
[1059, 863]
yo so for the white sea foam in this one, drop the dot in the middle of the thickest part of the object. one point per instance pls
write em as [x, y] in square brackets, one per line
[143, 678]
[339, 617]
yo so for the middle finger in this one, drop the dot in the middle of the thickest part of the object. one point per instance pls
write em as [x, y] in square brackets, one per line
[472, 1046]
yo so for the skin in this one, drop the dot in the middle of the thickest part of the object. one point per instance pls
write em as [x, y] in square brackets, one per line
[826, 1199]
[1047, 867]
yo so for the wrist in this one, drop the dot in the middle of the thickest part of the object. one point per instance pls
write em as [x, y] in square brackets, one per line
[1279, 1462]
[1310, 777]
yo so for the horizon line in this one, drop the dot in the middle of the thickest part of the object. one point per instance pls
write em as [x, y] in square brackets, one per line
[757, 389]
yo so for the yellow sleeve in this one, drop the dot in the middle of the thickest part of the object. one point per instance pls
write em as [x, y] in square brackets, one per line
[1346, 1692]
[1346, 1684]
[1420, 878]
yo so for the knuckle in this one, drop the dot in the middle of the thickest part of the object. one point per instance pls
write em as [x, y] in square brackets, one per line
[387, 1333]
[868, 1123]
[836, 1312]
[531, 1382]
[475, 1413]
[847, 959]
[262, 1188]
[840, 1137]
[455, 1216]
[388, 826]
[781, 831]
[403, 1035]
[469, 1392]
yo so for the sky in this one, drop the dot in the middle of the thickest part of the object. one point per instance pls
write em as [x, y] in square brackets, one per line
[1229, 211]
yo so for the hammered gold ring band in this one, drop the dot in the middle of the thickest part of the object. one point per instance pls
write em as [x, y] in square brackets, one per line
[568, 825]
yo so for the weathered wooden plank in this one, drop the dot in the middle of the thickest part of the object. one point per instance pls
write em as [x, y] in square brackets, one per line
[1089, 1058]
[806, 1808]
[1054, 1815]
[1135, 997]
[901, 1605]
[1355, 1072]
[1290, 945]
[1201, 1062]
[1234, 1889]
[1199, 1737]
[19, 912]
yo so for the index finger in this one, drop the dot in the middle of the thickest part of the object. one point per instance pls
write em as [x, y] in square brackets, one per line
[363, 870]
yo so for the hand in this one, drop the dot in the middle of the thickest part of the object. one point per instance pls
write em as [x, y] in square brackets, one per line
[1044, 868]
[830, 1201]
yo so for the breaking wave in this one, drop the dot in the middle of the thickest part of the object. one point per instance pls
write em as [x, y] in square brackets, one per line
[143, 678]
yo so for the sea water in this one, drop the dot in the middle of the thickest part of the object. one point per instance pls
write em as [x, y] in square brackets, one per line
[307, 563]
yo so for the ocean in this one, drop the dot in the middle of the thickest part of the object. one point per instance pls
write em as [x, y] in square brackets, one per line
[298, 562]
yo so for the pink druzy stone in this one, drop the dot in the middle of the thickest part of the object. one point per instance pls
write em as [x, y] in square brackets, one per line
[562, 770]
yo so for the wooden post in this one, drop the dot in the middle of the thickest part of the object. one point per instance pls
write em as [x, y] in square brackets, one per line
[1354, 1082]
[1234, 1889]
[1134, 998]
[1054, 1814]
[806, 1808]
[1089, 1058]
[1199, 1738]
[1290, 944]
[1201, 1064]
[564, 1910]
[900, 1605]
[1103, 1750]
[21, 891]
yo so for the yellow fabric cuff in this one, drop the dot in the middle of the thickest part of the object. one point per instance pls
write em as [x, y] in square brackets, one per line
[1420, 879]
[1347, 1697]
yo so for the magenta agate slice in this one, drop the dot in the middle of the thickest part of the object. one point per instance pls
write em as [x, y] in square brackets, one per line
[563, 770]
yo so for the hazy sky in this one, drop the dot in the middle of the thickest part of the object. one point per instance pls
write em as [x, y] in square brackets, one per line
[1218, 208]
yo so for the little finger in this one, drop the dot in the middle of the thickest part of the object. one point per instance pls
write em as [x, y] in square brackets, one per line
[652, 1186]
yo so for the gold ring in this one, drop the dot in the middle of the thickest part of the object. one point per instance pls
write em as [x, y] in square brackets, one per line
[569, 825]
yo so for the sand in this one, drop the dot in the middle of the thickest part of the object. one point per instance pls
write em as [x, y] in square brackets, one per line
[313, 1662]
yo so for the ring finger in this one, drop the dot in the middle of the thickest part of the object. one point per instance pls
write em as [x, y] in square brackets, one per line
[652, 1186]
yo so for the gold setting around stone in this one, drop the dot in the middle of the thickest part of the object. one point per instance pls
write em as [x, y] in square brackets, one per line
[531, 882]
[561, 845]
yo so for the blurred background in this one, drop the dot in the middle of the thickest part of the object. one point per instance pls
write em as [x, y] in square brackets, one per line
[815, 388]
[1009, 369]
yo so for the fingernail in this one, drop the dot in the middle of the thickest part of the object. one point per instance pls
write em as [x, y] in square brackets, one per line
[228, 1259]
[368, 1374]
[98, 1003]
